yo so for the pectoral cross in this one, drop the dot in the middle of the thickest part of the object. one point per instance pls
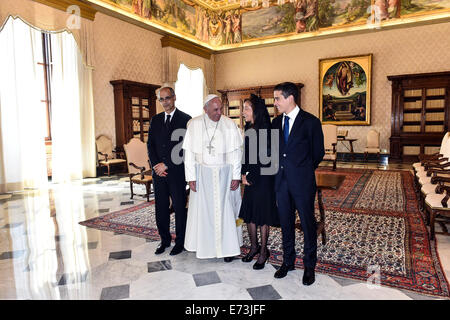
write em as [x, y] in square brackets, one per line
[210, 147]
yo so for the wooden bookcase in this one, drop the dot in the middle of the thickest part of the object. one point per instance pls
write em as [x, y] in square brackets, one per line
[233, 101]
[134, 106]
[420, 114]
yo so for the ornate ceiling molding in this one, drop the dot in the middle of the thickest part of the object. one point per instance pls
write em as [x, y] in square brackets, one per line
[171, 41]
[187, 20]
[86, 10]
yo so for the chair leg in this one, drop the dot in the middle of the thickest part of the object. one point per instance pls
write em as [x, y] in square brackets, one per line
[432, 218]
[108, 170]
[131, 188]
[147, 188]
[421, 202]
[334, 164]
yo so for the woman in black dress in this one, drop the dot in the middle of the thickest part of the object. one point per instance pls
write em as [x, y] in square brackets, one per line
[258, 206]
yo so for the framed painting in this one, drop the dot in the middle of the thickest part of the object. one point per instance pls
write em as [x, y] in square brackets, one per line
[345, 90]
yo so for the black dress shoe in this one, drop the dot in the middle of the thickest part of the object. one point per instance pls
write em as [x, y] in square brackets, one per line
[249, 257]
[259, 266]
[282, 272]
[161, 248]
[176, 250]
[308, 276]
[228, 259]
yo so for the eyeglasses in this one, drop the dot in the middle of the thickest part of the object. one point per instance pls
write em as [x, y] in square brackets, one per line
[165, 98]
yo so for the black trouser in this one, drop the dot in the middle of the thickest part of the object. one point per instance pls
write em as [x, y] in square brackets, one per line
[287, 202]
[176, 189]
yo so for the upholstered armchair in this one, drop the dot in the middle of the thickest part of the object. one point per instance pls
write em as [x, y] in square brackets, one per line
[330, 142]
[139, 169]
[372, 144]
[106, 156]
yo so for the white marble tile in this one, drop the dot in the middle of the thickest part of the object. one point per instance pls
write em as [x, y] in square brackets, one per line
[240, 274]
[219, 291]
[187, 262]
[116, 272]
[362, 291]
[80, 291]
[324, 288]
[163, 285]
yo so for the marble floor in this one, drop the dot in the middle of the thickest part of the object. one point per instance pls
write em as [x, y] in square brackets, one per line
[46, 255]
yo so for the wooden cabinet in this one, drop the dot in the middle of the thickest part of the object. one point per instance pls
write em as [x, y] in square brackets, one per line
[134, 106]
[420, 114]
[233, 101]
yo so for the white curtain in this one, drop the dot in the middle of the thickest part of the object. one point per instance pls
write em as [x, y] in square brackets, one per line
[23, 162]
[73, 144]
[190, 89]
[22, 120]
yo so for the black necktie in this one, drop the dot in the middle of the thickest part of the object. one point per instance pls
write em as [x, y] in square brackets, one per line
[167, 123]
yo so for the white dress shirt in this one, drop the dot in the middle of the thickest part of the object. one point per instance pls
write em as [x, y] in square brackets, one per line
[292, 115]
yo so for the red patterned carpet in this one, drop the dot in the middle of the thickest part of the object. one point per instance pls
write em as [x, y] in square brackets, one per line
[372, 223]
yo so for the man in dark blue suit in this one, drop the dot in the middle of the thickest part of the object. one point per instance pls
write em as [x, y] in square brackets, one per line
[301, 149]
[168, 177]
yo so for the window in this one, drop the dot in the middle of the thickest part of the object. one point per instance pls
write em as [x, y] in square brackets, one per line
[44, 61]
[190, 89]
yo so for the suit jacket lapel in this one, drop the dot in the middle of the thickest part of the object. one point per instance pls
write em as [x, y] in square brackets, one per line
[174, 118]
[298, 120]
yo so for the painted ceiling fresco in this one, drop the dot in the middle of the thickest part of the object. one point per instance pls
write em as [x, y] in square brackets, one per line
[222, 24]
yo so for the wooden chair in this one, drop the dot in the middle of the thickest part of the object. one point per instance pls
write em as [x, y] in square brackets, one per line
[435, 157]
[438, 211]
[139, 169]
[330, 143]
[107, 157]
[372, 144]
[430, 171]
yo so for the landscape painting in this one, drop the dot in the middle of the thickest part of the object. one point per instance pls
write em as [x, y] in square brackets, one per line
[345, 88]
[343, 12]
[267, 22]
[175, 13]
[412, 7]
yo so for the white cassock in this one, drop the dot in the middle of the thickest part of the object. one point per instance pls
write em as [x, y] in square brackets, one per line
[211, 228]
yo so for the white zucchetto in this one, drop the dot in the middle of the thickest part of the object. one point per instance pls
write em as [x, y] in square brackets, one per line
[209, 97]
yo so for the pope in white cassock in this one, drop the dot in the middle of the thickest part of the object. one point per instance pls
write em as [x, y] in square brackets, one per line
[213, 150]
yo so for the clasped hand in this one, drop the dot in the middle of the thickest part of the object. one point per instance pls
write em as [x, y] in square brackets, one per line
[160, 169]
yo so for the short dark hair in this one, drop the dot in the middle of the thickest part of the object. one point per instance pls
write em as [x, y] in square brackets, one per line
[287, 89]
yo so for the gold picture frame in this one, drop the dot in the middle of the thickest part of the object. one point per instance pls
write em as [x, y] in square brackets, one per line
[345, 87]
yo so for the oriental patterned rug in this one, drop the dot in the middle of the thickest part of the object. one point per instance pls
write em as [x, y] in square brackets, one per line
[373, 224]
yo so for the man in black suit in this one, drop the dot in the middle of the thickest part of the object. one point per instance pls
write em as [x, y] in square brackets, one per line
[168, 177]
[301, 149]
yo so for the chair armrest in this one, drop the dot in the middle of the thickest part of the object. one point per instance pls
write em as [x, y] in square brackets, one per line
[103, 154]
[439, 179]
[141, 169]
[444, 201]
[429, 167]
[434, 171]
[433, 161]
[425, 157]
